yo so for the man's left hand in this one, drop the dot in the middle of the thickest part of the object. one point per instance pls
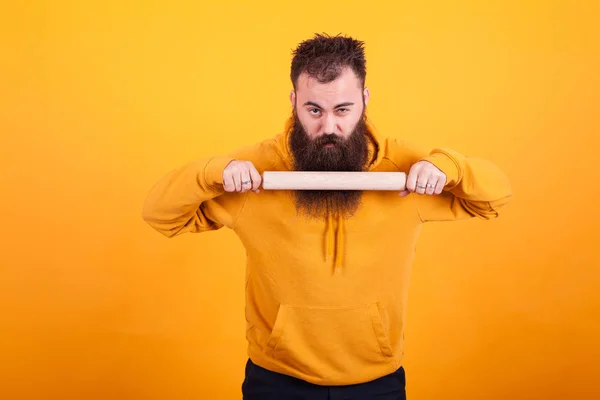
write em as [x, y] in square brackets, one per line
[424, 178]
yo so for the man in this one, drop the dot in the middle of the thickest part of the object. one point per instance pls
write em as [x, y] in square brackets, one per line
[327, 271]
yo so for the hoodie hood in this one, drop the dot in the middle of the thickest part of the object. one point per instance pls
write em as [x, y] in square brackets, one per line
[334, 237]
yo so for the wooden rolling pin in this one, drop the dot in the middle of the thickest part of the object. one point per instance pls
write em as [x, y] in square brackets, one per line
[329, 180]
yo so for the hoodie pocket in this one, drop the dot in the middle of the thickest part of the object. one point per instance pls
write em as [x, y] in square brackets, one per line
[329, 341]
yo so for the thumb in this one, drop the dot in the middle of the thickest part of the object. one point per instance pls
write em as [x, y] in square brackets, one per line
[403, 193]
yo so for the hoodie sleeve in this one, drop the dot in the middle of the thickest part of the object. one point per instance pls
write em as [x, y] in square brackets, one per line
[475, 187]
[191, 198]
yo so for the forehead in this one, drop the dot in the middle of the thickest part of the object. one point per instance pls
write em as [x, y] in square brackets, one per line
[346, 87]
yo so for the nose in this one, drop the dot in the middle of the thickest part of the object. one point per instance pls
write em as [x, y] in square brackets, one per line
[329, 124]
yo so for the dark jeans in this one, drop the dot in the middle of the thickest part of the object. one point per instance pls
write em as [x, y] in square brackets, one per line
[262, 384]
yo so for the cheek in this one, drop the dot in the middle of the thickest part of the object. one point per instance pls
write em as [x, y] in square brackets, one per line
[348, 124]
[311, 126]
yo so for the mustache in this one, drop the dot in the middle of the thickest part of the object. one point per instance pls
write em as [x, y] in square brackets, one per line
[328, 138]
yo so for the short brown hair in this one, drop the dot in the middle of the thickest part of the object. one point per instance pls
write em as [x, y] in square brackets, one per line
[324, 57]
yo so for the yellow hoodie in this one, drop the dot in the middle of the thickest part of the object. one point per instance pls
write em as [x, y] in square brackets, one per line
[303, 318]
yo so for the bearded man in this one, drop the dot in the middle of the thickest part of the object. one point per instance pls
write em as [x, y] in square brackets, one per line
[327, 271]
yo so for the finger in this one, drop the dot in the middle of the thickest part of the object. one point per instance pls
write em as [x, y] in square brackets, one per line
[246, 183]
[421, 183]
[228, 184]
[411, 179]
[256, 179]
[404, 193]
[431, 185]
[439, 187]
[237, 179]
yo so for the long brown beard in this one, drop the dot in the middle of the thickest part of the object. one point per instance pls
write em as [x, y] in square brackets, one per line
[348, 154]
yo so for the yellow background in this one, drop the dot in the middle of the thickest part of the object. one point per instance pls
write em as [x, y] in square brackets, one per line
[100, 99]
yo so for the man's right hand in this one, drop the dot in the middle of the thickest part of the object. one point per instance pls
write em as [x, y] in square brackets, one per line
[241, 176]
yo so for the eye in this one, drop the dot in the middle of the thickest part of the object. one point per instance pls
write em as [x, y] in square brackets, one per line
[343, 110]
[314, 111]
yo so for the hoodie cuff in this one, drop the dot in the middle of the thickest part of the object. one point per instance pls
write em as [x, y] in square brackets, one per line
[213, 173]
[448, 164]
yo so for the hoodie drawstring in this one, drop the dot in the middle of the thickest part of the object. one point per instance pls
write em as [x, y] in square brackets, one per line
[335, 242]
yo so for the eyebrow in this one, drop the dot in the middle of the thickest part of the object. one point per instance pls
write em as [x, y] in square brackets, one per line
[346, 104]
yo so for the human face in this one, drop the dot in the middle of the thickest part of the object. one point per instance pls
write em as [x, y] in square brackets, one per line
[329, 108]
